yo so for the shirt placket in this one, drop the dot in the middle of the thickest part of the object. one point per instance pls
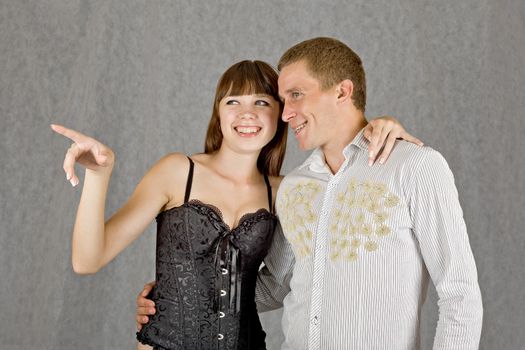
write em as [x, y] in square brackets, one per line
[319, 263]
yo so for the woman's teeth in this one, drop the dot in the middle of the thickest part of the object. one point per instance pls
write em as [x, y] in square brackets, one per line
[247, 129]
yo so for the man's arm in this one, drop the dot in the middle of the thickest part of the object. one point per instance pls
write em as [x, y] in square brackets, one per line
[273, 280]
[440, 229]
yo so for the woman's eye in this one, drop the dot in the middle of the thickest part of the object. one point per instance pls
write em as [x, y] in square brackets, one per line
[232, 102]
[261, 103]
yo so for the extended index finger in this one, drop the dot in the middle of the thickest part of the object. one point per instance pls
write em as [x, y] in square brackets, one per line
[69, 133]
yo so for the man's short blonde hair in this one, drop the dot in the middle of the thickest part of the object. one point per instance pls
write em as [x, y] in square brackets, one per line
[330, 62]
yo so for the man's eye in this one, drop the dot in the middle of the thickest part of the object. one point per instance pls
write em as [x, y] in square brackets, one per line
[296, 94]
[261, 103]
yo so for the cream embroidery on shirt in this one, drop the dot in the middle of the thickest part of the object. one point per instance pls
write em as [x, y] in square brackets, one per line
[359, 222]
[295, 211]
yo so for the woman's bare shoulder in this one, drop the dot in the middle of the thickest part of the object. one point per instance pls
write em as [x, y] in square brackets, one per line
[171, 169]
[171, 173]
[173, 163]
[201, 158]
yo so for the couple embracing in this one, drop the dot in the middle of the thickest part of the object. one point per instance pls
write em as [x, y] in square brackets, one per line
[349, 243]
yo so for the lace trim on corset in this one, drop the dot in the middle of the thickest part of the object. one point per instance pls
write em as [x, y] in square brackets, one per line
[146, 341]
[215, 213]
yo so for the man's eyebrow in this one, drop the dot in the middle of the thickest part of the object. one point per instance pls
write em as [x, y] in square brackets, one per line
[289, 91]
[293, 89]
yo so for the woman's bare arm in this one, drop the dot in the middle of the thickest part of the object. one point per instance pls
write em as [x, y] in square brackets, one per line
[95, 242]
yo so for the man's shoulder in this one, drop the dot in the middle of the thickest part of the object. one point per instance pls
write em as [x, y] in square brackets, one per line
[299, 175]
[406, 153]
[302, 170]
[288, 178]
[414, 164]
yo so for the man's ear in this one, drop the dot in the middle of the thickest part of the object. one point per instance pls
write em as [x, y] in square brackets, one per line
[344, 91]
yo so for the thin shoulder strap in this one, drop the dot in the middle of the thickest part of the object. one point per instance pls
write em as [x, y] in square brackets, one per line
[269, 189]
[189, 181]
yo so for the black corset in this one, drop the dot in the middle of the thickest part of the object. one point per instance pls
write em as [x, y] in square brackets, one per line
[205, 278]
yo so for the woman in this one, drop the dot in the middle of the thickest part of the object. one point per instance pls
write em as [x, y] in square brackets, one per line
[214, 213]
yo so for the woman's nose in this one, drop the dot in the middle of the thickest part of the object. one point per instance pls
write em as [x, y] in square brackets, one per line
[247, 114]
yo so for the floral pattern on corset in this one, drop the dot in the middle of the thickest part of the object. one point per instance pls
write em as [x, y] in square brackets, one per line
[187, 279]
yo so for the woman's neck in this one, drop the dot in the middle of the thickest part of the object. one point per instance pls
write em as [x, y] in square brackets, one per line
[241, 168]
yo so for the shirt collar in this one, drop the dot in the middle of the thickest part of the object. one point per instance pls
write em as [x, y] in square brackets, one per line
[316, 161]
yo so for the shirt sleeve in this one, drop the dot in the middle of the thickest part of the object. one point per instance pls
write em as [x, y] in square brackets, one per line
[440, 229]
[273, 280]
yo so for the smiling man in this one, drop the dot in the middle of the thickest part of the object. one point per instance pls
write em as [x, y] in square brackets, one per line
[361, 243]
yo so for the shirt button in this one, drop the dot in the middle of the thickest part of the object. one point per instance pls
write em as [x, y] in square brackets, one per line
[224, 271]
[220, 336]
[221, 314]
[223, 292]
[315, 320]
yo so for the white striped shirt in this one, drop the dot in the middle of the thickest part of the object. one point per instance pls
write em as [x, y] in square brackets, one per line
[359, 246]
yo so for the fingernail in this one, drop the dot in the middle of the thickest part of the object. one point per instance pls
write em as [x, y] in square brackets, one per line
[73, 183]
[370, 162]
[152, 311]
[68, 176]
[371, 154]
[382, 161]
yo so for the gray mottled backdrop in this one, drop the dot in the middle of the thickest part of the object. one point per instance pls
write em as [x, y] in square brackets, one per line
[140, 76]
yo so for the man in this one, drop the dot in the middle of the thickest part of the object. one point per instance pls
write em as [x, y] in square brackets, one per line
[361, 242]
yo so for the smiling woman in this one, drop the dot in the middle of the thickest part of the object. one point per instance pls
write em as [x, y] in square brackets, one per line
[214, 212]
[258, 79]
[252, 117]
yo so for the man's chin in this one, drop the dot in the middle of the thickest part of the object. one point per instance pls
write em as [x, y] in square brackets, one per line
[305, 147]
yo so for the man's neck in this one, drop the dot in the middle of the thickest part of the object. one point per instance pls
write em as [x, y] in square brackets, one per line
[349, 126]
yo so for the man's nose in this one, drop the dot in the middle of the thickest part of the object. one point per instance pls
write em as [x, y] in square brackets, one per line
[288, 113]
